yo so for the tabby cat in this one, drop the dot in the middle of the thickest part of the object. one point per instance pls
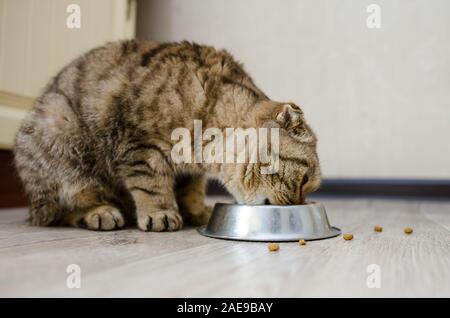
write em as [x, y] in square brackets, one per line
[95, 151]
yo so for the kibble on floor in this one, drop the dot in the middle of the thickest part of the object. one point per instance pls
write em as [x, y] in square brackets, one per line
[348, 237]
[378, 229]
[408, 230]
[273, 247]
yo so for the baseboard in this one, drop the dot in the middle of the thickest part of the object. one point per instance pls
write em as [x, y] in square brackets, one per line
[11, 191]
[386, 188]
[394, 188]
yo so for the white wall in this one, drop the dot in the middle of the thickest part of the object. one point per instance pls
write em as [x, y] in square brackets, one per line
[35, 44]
[379, 99]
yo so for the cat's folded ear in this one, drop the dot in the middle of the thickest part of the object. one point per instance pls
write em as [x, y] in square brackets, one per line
[285, 115]
[288, 115]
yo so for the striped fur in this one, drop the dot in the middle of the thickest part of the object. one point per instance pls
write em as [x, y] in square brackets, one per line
[94, 151]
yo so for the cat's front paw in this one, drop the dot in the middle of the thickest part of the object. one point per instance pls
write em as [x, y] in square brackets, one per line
[102, 218]
[159, 221]
[201, 218]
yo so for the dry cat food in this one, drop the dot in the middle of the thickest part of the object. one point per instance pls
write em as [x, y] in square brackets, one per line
[348, 237]
[408, 230]
[302, 242]
[378, 229]
[273, 247]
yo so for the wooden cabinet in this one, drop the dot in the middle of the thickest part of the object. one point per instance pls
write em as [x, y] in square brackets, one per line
[35, 42]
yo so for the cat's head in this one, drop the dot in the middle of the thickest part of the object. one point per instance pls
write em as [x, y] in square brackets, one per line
[298, 170]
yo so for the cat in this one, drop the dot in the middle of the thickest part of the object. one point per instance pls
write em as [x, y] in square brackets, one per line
[94, 152]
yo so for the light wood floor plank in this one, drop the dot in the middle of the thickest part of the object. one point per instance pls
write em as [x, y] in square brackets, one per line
[184, 264]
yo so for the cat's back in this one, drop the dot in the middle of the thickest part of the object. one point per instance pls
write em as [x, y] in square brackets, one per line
[133, 61]
[134, 84]
[135, 69]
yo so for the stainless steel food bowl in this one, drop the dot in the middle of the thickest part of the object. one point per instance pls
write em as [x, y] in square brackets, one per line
[269, 223]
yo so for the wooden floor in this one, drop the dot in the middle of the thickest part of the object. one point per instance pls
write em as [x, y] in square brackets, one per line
[128, 263]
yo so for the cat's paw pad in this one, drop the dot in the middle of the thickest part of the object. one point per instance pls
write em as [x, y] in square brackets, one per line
[159, 221]
[104, 218]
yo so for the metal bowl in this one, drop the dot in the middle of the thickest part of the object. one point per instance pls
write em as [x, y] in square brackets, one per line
[269, 223]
